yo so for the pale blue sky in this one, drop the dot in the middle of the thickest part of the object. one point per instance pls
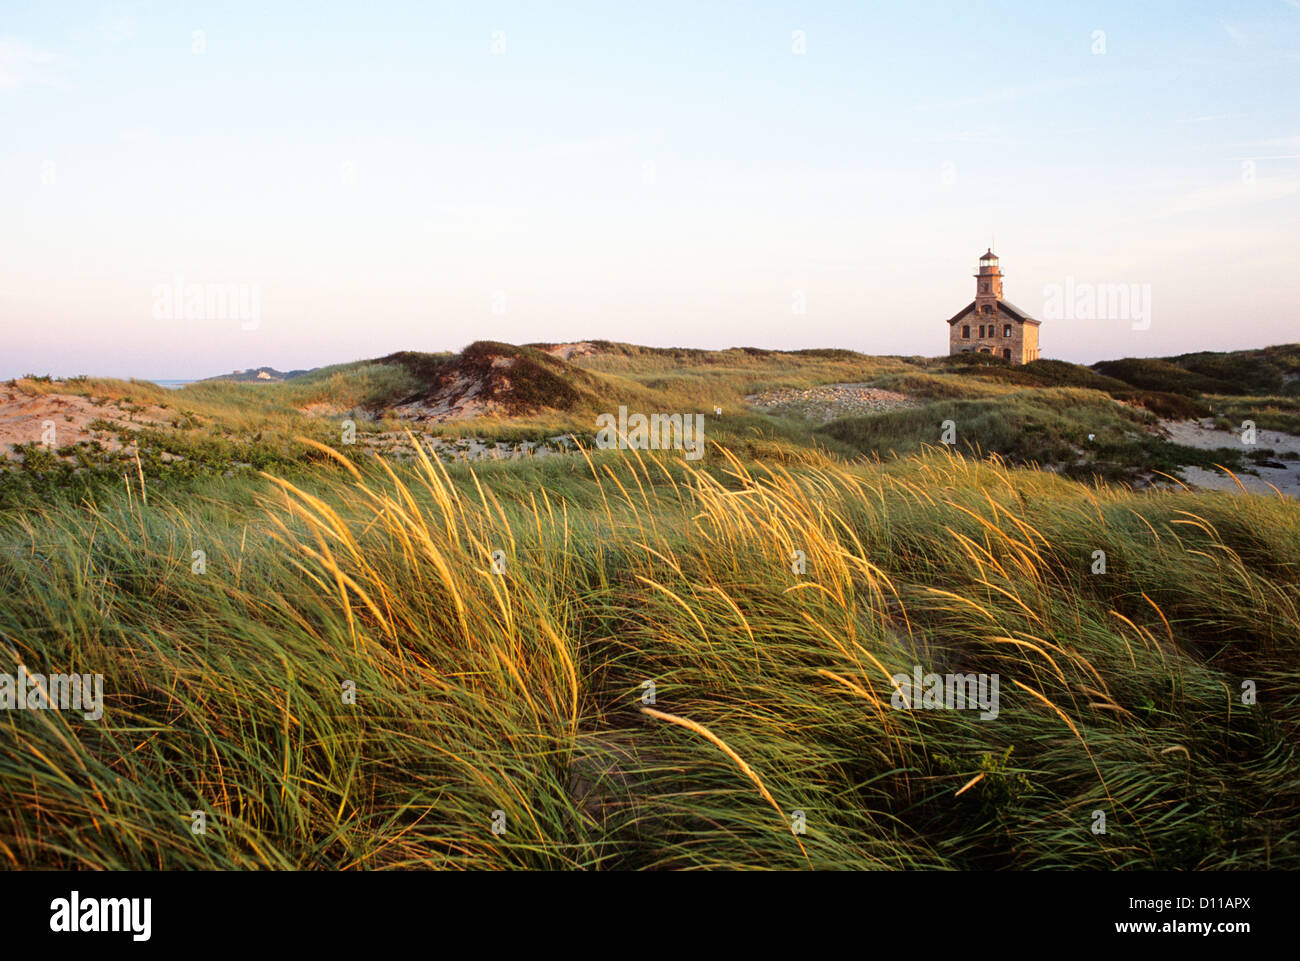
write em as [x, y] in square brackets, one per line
[665, 174]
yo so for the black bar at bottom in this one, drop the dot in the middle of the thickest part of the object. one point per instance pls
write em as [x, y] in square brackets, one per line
[953, 911]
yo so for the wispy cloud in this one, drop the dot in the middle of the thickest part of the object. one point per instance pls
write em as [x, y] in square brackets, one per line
[738, 188]
[1268, 144]
[1231, 194]
[962, 136]
[22, 65]
[559, 150]
[1236, 34]
[1011, 93]
[116, 25]
[576, 148]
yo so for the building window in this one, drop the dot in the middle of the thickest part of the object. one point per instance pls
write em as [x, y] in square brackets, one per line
[965, 332]
[1006, 352]
[981, 330]
[1006, 330]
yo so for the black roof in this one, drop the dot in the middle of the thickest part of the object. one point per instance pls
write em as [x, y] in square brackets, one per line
[989, 255]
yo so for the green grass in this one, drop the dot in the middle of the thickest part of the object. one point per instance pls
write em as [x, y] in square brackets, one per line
[1267, 413]
[1269, 370]
[1082, 433]
[521, 691]
[1039, 413]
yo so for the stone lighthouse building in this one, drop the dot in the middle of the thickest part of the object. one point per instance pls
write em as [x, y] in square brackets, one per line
[991, 325]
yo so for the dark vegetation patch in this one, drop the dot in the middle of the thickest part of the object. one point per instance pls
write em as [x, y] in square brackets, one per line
[1151, 373]
[423, 367]
[1269, 370]
[827, 353]
[1060, 373]
[523, 380]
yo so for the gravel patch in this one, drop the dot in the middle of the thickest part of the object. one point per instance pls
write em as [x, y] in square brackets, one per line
[828, 402]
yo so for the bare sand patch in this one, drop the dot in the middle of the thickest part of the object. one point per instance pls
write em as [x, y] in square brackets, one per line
[465, 396]
[1279, 472]
[24, 418]
[569, 351]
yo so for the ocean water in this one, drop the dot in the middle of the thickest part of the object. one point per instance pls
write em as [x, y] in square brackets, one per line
[172, 384]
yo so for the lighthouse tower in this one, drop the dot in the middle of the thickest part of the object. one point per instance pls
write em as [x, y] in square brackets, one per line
[988, 284]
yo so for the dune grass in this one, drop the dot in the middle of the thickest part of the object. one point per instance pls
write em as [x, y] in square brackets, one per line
[502, 627]
[1082, 433]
